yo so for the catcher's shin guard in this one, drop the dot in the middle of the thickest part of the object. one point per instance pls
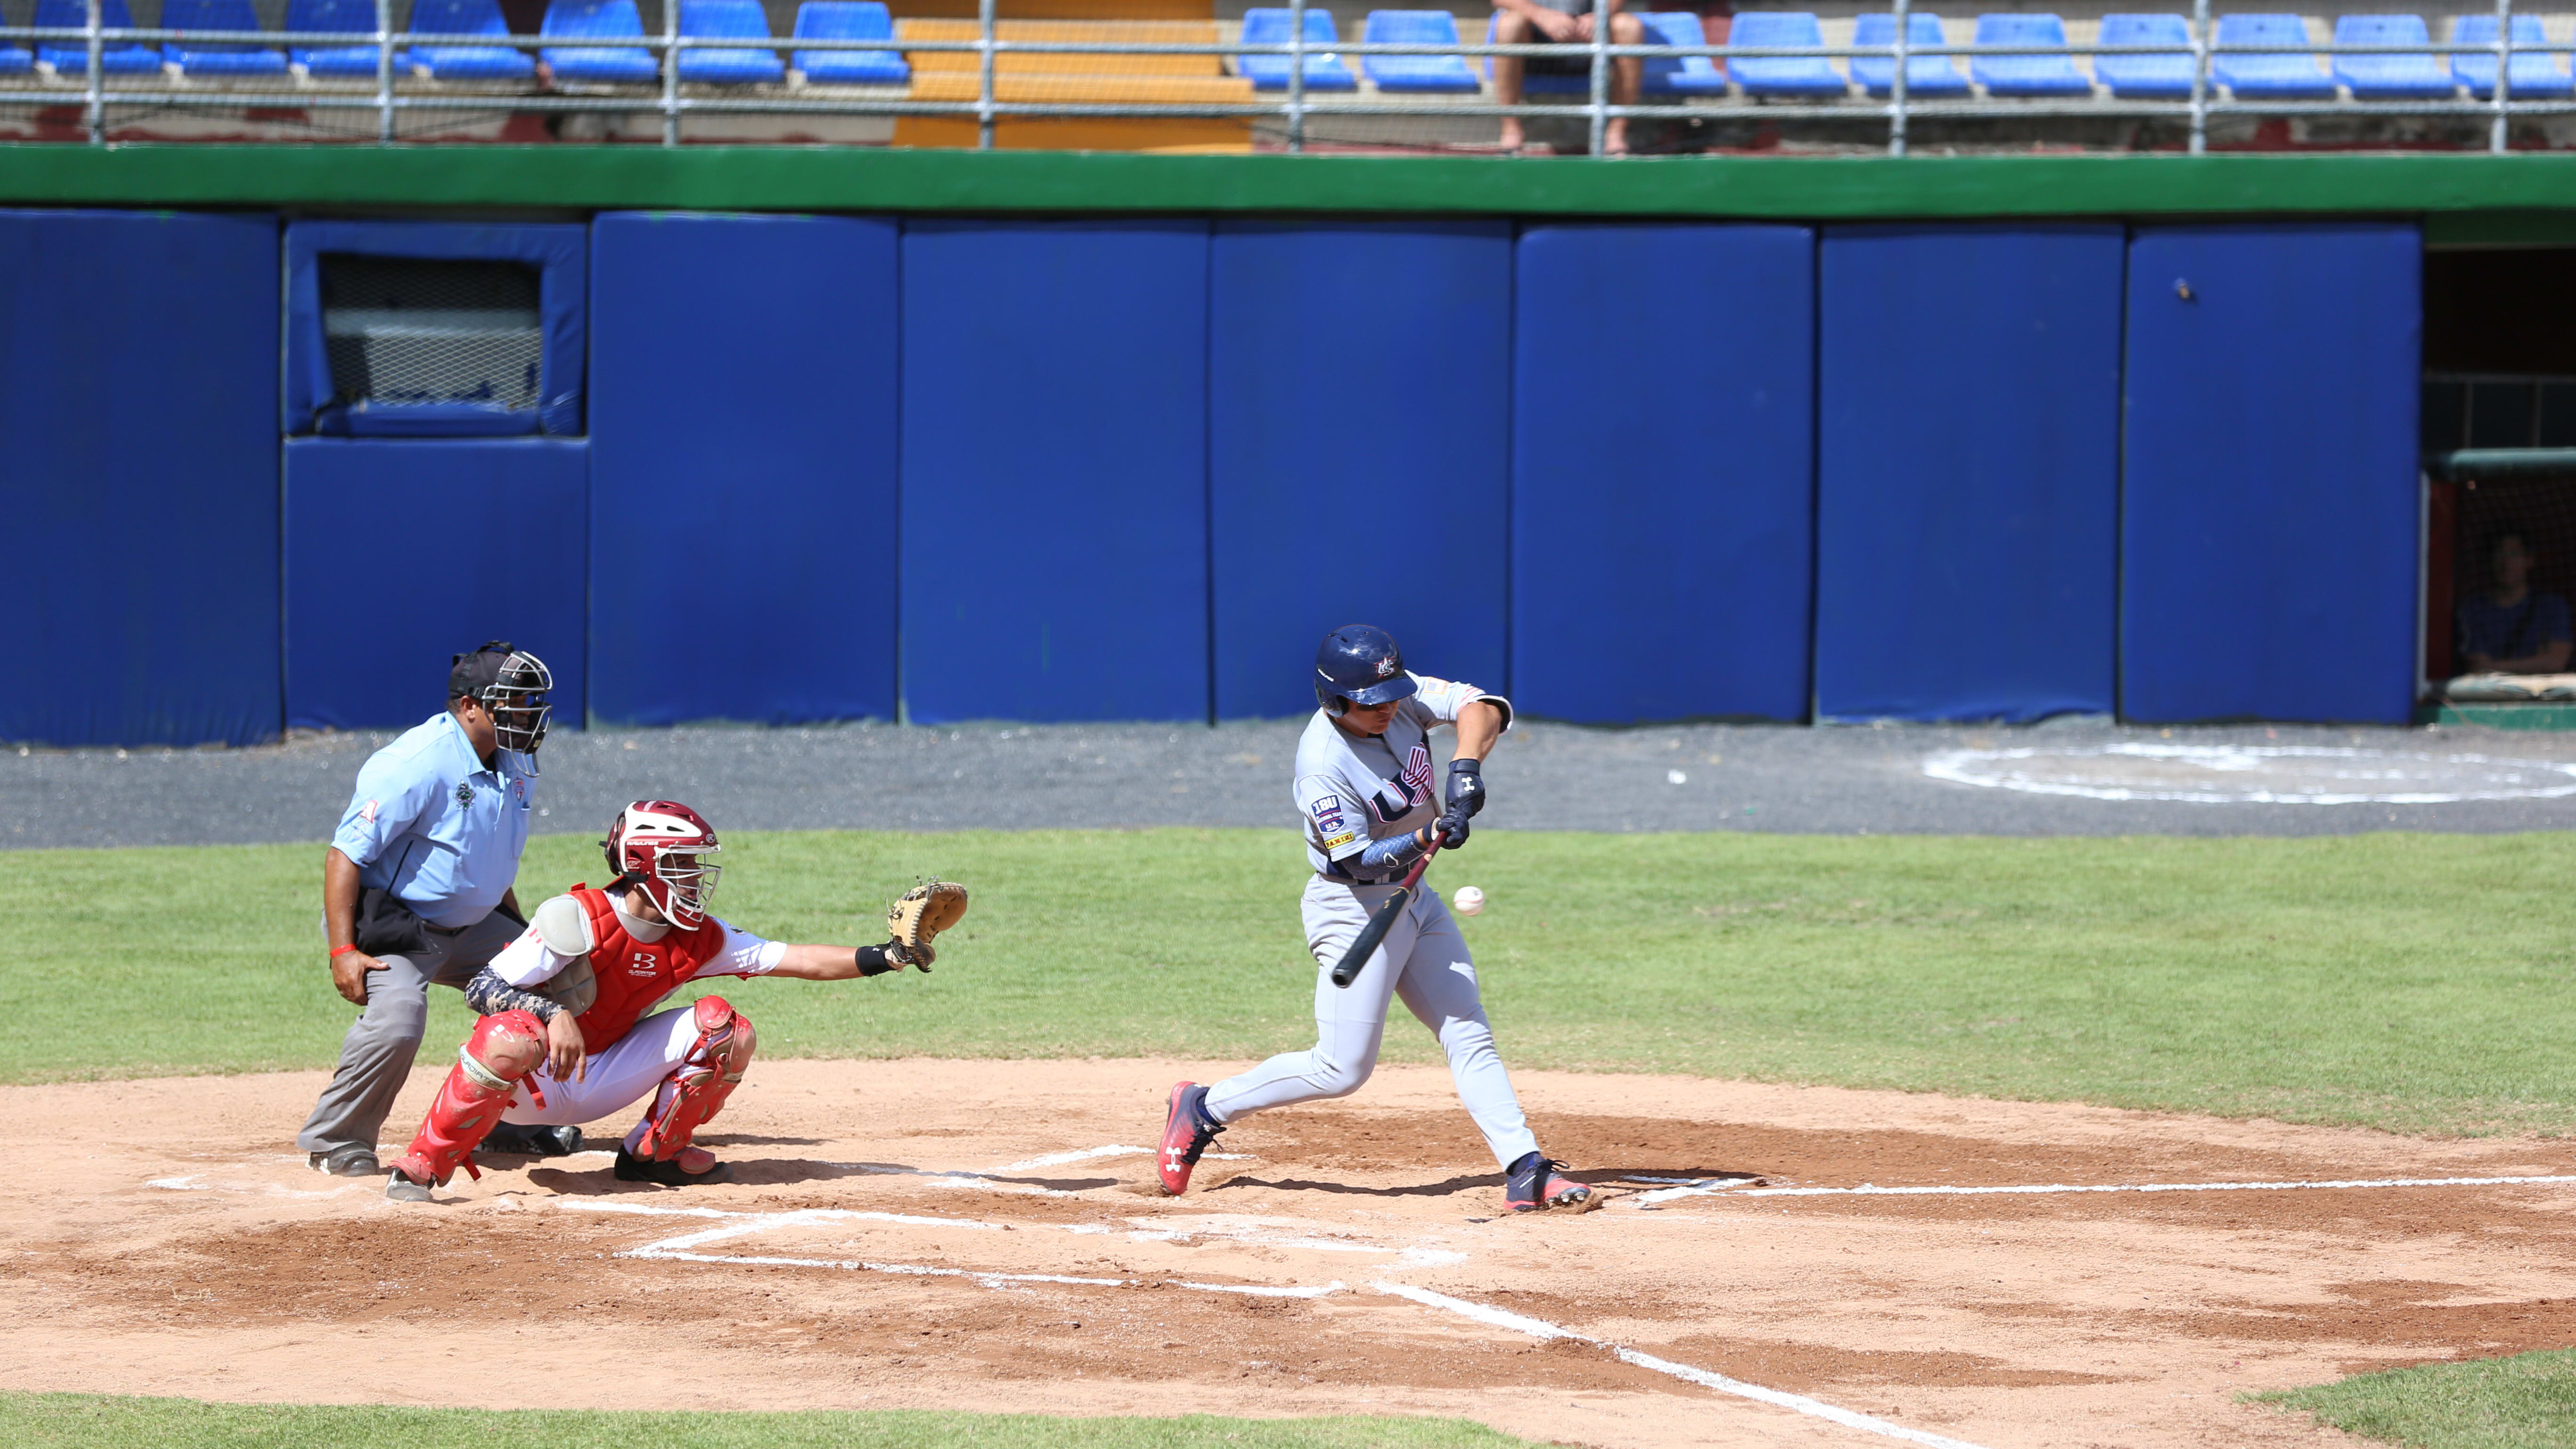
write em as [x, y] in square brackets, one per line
[697, 1090]
[501, 1053]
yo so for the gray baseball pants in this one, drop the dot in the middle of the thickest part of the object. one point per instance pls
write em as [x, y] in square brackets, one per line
[1423, 963]
[377, 1054]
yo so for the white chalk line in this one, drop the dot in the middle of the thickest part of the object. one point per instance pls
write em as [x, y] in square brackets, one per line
[1648, 1200]
[1800, 1403]
[1953, 766]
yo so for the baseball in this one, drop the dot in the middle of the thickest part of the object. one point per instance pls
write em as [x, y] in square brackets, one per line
[1467, 900]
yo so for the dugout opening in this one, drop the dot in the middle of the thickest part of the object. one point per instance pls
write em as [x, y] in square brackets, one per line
[2499, 442]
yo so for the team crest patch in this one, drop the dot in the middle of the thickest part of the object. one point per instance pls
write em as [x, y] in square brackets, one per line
[367, 812]
[1386, 667]
[1328, 814]
[464, 794]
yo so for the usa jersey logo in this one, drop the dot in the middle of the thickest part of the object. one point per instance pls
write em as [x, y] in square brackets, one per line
[1417, 774]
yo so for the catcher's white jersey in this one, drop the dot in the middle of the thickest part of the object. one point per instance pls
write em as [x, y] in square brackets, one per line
[1352, 791]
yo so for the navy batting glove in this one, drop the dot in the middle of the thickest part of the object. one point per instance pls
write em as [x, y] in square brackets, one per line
[1466, 787]
[1453, 827]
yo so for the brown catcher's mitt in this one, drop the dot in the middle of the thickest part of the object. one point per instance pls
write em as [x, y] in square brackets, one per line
[925, 910]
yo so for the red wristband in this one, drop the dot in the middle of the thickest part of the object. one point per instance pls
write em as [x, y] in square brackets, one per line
[339, 951]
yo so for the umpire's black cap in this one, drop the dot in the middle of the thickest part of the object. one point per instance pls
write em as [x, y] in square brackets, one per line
[497, 664]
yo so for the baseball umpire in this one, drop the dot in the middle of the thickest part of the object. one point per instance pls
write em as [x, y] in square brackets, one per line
[1364, 793]
[416, 888]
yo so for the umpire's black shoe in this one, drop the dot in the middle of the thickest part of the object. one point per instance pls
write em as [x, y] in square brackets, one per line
[631, 1168]
[346, 1162]
[532, 1141]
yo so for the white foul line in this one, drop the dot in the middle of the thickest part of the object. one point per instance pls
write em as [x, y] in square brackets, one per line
[1650, 1199]
[1798, 1403]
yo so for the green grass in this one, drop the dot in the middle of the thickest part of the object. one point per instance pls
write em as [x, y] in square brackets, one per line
[2527, 1401]
[91, 1421]
[2412, 982]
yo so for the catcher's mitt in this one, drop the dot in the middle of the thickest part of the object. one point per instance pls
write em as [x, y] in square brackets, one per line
[915, 921]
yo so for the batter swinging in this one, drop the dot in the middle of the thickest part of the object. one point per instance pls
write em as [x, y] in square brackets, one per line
[1364, 795]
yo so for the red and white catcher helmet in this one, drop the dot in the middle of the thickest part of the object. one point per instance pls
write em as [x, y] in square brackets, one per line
[664, 846]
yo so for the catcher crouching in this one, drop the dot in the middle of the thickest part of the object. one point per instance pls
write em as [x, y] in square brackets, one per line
[564, 1038]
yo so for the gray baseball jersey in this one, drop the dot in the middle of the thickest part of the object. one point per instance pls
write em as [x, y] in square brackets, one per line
[1352, 791]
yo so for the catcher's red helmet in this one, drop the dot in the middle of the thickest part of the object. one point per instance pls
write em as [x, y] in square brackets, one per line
[663, 846]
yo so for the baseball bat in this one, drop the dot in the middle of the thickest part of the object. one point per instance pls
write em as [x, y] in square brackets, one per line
[1375, 931]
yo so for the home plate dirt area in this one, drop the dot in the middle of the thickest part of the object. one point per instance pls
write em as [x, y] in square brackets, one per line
[1773, 1264]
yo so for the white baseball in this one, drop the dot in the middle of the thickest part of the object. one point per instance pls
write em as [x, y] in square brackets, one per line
[1467, 900]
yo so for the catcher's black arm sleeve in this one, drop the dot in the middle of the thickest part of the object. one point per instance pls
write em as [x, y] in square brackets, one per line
[489, 995]
[877, 960]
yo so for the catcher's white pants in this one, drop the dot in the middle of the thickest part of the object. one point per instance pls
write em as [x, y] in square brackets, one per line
[1424, 961]
[625, 1073]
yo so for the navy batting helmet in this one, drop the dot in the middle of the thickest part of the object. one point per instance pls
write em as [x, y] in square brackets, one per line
[1359, 664]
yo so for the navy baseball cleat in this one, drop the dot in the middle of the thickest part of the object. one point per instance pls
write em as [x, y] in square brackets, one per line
[532, 1141]
[1187, 1131]
[1532, 1185]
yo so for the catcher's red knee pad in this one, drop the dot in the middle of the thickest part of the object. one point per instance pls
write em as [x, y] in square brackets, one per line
[503, 1050]
[706, 1076]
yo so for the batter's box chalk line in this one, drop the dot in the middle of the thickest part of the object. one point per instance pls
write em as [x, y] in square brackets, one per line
[1649, 1200]
[681, 1249]
[991, 1182]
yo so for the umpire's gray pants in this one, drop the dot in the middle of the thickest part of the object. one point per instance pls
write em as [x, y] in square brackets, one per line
[377, 1054]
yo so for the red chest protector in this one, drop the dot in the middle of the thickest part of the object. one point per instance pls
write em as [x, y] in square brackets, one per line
[634, 976]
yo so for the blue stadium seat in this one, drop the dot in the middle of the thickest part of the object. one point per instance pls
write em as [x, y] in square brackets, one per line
[198, 58]
[2026, 75]
[1684, 75]
[1416, 72]
[598, 64]
[466, 62]
[2535, 76]
[2390, 77]
[1269, 26]
[2268, 77]
[358, 17]
[1783, 75]
[729, 19]
[16, 60]
[1927, 77]
[849, 20]
[71, 57]
[2146, 77]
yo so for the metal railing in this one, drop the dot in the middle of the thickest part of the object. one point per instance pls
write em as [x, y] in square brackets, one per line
[1298, 105]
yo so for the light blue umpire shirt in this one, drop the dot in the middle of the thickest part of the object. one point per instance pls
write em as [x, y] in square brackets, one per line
[431, 824]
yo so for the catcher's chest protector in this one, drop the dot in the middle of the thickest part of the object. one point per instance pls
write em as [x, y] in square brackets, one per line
[635, 975]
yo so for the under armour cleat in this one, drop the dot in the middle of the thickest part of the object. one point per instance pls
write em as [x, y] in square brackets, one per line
[509, 1137]
[345, 1162]
[672, 1171]
[400, 1188]
[1187, 1131]
[1533, 1185]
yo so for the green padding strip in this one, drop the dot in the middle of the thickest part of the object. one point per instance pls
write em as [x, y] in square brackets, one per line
[2539, 190]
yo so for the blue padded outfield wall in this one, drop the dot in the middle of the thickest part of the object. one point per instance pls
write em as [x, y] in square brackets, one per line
[949, 469]
[1968, 471]
[743, 468]
[1359, 416]
[2269, 539]
[138, 476]
[1661, 534]
[402, 552]
[1055, 560]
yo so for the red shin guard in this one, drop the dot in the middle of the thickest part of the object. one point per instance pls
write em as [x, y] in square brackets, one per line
[705, 1078]
[470, 1101]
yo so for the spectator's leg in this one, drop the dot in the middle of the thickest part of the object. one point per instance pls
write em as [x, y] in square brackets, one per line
[1511, 28]
[1627, 79]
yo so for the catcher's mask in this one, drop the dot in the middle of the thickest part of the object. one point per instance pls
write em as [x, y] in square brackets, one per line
[664, 847]
[511, 685]
[1359, 664]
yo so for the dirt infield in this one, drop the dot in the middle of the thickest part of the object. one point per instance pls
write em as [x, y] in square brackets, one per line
[941, 1234]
